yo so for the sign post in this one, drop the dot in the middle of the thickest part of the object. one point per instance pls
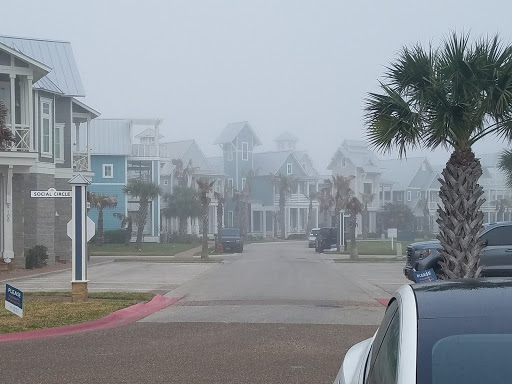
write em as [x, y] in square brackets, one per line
[78, 234]
[14, 300]
[392, 234]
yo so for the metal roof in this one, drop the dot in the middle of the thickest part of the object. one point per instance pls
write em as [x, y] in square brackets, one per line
[266, 163]
[150, 132]
[58, 55]
[110, 137]
[217, 164]
[186, 151]
[232, 130]
[402, 171]
[359, 154]
[84, 106]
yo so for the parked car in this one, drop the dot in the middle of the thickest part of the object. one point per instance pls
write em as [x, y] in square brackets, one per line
[312, 237]
[231, 240]
[326, 239]
[453, 331]
[496, 257]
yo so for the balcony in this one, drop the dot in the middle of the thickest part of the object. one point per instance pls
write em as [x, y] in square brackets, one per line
[144, 150]
[298, 198]
[22, 138]
[80, 162]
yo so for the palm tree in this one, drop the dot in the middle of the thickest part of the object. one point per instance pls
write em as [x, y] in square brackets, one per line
[6, 135]
[204, 190]
[312, 197]
[221, 200]
[342, 196]
[182, 203]
[144, 191]
[182, 174]
[366, 198]
[127, 223]
[326, 203]
[354, 208]
[448, 97]
[284, 184]
[100, 201]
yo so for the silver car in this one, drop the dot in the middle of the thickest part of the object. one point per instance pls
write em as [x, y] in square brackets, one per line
[457, 331]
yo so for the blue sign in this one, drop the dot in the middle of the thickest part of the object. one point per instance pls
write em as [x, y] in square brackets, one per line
[425, 276]
[14, 300]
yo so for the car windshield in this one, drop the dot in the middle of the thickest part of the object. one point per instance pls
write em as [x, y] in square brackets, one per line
[468, 351]
[314, 232]
[230, 232]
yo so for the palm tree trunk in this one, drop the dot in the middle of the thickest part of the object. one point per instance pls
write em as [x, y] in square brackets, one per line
[99, 235]
[182, 226]
[310, 218]
[366, 221]
[354, 255]
[141, 222]
[204, 249]
[460, 218]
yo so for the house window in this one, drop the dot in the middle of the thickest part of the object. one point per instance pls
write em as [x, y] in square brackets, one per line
[367, 188]
[244, 183]
[230, 219]
[289, 169]
[230, 152]
[230, 186]
[399, 196]
[46, 127]
[58, 145]
[108, 171]
[245, 151]
[166, 182]
[409, 195]
[343, 162]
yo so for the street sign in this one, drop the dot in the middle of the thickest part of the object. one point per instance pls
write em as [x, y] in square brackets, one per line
[91, 228]
[392, 233]
[51, 192]
[14, 300]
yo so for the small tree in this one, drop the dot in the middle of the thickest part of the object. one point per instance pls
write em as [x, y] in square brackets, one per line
[6, 136]
[100, 201]
[354, 208]
[397, 215]
[182, 203]
[204, 190]
[366, 198]
[284, 184]
[145, 191]
[127, 224]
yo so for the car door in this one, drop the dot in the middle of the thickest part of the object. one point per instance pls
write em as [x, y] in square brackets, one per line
[382, 366]
[497, 254]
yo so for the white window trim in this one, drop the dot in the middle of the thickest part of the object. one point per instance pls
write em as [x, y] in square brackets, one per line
[60, 127]
[104, 166]
[50, 118]
[409, 195]
[245, 151]
[231, 218]
[289, 168]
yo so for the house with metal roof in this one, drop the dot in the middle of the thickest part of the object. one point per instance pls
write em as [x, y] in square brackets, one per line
[41, 87]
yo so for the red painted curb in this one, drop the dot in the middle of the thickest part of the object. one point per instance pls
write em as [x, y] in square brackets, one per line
[115, 319]
[384, 302]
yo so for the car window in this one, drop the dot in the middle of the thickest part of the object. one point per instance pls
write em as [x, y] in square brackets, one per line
[381, 332]
[498, 236]
[385, 367]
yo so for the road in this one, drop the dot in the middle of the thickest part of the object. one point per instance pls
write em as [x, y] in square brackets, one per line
[278, 313]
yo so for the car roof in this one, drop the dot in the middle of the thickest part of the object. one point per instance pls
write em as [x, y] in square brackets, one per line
[464, 298]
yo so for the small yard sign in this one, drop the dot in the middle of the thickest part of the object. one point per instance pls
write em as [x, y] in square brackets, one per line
[14, 300]
[51, 192]
[425, 276]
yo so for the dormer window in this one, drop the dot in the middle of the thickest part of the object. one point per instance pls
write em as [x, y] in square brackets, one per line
[289, 169]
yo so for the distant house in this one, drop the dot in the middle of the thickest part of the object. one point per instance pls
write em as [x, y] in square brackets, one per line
[118, 155]
[41, 86]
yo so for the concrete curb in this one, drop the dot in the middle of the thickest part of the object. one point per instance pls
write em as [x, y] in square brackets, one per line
[115, 319]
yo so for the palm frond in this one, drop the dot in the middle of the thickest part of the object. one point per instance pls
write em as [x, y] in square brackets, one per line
[505, 165]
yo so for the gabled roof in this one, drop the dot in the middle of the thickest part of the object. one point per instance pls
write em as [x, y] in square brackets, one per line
[55, 55]
[300, 155]
[85, 107]
[402, 171]
[150, 132]
[232, 130]
[184, 151]
[266, 163]
[358, 154]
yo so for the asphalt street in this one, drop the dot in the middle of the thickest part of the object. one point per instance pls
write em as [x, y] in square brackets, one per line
[278, 313]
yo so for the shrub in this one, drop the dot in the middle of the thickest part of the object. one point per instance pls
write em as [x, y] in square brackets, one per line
[115, 236]
[186, 239]
[373, 235]
[36, 257]
[297, 236]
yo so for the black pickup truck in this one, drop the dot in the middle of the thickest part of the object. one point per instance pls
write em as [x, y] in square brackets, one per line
[231, 240]
[496, 257]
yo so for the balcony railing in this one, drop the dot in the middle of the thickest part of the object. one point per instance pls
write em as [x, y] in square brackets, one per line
[22, 138]
[144, 150]
[80, 161]
[293, 198]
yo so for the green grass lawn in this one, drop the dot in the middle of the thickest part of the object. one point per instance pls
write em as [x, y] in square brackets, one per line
[56, 309]
[376, 247]
[148, 249]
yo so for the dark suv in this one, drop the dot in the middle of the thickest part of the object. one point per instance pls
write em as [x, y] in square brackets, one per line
[325, 239]
[231, 240]
[496, 257]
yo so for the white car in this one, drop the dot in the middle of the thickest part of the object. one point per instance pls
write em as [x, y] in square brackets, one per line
[457, 331]
[312, 237]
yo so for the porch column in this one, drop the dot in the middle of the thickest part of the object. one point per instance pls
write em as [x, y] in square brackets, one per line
[264, 223]
[87, 144]
[77, 136]
[8, 251]
[30, 120]
[12, 78]
[215, 226]
[286, 222]
[252, 220]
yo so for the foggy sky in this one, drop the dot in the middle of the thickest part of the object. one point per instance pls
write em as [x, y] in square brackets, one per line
[298, 66]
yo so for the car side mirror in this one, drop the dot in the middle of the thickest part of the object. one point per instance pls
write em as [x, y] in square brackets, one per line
[486, 242]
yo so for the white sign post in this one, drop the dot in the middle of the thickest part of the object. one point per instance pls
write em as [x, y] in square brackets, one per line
[392, 234]
[79, 236]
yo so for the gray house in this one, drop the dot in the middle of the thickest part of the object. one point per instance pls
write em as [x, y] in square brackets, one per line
[41, 86]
